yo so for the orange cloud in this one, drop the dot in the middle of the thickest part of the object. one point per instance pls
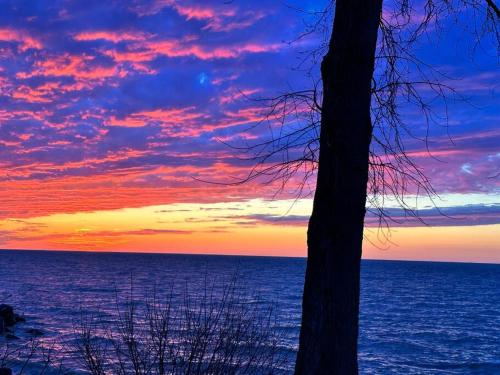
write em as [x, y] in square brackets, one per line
[197, 227]
[124, 187]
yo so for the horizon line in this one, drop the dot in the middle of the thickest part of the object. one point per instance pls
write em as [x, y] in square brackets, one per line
[234, 255]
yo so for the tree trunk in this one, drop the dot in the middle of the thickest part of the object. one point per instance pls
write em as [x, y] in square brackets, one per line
[329, 331]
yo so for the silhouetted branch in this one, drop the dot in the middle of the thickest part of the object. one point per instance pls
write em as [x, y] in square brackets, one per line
[401, 83]
[26, 356]
[217, 331]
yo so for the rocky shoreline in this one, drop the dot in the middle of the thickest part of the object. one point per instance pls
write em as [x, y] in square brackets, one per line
[8, 319]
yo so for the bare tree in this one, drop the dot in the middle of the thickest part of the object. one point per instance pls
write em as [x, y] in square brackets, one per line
[349, 132]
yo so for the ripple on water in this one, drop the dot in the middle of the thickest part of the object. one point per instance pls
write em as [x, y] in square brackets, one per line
[416, 317]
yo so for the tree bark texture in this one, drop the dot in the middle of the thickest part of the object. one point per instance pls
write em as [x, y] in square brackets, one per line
[330, 309]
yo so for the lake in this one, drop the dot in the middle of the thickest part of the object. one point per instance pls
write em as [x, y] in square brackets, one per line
[416, 317]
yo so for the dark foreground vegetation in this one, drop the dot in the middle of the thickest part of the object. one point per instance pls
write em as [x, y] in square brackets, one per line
[219, 330]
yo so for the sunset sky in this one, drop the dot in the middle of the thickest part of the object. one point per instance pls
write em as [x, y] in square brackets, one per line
[113, 113]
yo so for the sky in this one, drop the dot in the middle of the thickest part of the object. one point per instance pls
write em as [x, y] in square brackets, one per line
[114, 115]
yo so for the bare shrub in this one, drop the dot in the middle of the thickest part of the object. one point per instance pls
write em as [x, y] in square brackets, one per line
[31, 355]
[219, 330]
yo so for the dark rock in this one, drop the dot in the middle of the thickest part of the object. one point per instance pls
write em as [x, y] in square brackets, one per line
[7, 313]
[2, 326]
[34, 332]
[20, 319]
[11, 336]
[5, 371]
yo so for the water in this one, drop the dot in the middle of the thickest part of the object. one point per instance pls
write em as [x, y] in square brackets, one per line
[416, 317]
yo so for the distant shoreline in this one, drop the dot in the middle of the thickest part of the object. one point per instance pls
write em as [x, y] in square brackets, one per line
[104, 252]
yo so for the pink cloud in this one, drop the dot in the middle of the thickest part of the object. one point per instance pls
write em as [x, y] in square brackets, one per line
[222, 18]
[84, 69]
[223, 79]
[176, 116]
[131, 56]
[22, 38]
[111, 36]
[225, 26]
[176, 48]
[26, 94]
[23, 115]
[46, 92]
[233, 95]
[71, 65]
[182, 122]
[146, 10]
[202, 12]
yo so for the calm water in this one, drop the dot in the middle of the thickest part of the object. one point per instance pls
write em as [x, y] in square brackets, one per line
[416, 317]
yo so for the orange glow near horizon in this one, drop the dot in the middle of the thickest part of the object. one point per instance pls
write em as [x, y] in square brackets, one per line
[234, 228]
[110, 131]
